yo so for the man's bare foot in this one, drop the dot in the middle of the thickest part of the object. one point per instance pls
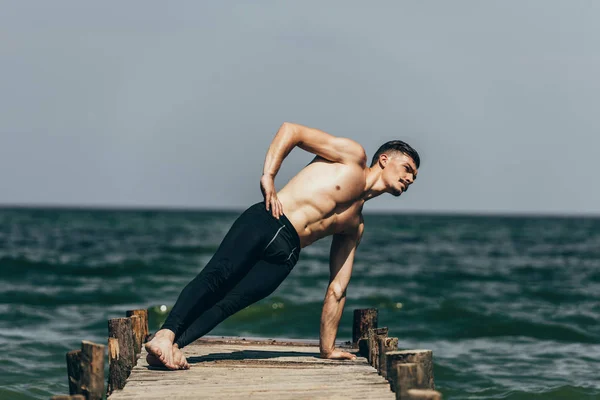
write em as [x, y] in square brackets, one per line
[161, 348]
[339, 355]
[153, 361]
[179, 358]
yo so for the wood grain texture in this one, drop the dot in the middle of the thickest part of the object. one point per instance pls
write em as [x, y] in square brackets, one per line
[92, 370]
[422, 358]
[74, 370]
[143, 314]
[373, 336]
[422, 394]
[364, 319]
[117, 368]
[242, 369]
[386, 344]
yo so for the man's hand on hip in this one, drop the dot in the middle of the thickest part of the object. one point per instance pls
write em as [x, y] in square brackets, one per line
[267, 187]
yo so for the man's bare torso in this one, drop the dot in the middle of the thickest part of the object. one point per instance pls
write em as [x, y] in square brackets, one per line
[324, 198]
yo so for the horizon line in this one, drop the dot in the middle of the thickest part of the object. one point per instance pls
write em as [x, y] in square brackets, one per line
[166, 208]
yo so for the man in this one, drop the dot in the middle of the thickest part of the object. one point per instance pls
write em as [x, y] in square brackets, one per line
[325, 198]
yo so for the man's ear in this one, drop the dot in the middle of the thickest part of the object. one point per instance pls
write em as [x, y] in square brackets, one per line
[383, 160]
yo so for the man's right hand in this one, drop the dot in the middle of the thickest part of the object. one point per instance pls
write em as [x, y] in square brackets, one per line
[272, 203]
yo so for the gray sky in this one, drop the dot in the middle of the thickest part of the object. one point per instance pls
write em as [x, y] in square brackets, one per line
[147, 103]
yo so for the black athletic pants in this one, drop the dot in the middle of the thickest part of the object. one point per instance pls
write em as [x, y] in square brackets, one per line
[255, 256]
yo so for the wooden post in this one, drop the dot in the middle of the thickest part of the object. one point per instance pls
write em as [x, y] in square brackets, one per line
[407, 377]
[74, 370]
[67, 397]
[85, 369]
[121, 328]
[373, 340]
[117, 367]
[422, 394]
[423, 359]
[386, 344]
[364, 319]
[143, 314]
[92, 370]
[136, 326]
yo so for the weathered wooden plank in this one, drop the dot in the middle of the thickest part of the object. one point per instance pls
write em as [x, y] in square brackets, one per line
[253, 341]
[265, 369]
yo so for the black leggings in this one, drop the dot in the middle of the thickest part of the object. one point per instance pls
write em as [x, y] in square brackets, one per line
[255, 256]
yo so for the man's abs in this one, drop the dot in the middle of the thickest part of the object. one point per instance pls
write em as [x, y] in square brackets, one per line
[323, 199]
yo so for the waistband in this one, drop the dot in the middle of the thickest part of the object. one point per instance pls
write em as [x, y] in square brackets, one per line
[285, 221]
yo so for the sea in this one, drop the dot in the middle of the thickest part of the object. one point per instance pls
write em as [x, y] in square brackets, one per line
[509, 305]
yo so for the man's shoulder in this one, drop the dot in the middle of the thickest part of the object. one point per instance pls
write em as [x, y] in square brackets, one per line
[359, 155]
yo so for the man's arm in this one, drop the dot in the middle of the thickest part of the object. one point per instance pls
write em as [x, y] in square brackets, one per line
[289, 135]
[343, 248]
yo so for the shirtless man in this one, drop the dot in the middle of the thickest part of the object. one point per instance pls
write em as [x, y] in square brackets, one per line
[325, 198]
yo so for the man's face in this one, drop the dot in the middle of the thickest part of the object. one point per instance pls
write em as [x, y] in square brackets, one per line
[399, 173]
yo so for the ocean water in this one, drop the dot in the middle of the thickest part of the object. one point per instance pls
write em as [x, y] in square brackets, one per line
[510, 306]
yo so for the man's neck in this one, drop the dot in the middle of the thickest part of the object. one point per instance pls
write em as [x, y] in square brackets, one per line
[373, 185]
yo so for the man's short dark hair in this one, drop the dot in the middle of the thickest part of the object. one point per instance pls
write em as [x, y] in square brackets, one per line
[400, 146]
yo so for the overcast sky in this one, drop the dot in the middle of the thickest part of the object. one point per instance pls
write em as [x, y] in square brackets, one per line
[147, 103]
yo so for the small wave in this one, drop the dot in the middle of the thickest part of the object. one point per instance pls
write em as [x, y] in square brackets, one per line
[461, 321]
[18, 268]
[17, 392]
[61, 296]
[187, 250]
[560, 392]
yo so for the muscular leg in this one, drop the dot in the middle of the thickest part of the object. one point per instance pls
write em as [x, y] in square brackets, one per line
[238, 252]
[258, 283]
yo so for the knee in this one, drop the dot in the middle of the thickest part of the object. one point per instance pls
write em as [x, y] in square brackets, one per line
[336, 290]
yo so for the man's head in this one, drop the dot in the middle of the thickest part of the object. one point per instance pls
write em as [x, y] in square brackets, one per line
[399, 163]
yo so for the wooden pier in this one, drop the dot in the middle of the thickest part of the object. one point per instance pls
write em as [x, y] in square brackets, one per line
[236, 368]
